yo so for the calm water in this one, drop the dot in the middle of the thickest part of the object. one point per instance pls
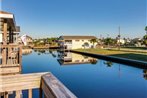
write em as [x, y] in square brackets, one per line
[88, 77]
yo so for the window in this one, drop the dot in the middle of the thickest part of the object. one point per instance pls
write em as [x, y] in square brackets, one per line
[77, 40]
[68, 41]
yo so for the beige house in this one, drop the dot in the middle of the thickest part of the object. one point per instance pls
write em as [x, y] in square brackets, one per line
[29, 40]
[76, 42]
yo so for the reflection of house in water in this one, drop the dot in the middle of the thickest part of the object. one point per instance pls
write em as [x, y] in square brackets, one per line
[26, 51]
[67, 58]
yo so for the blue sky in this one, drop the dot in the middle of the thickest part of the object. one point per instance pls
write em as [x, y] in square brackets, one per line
[46, 18]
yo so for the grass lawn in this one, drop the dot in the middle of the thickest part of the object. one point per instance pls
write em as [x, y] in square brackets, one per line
[135, 48]
[129, 55]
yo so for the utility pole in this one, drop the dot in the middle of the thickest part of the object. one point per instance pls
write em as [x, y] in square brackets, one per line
[108, 40]
[119, 38]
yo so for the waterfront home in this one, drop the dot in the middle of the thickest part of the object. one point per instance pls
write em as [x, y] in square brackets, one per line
[76, 42]
[29, 40]
[10, 59]
[121, 41]
[8, 29]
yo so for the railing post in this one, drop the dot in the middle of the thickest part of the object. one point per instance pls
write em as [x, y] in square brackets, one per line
[18, 94]
[4, 56]
[40, 92]
[6, 95]
[20, 57]
[30, 93]
[5, 33]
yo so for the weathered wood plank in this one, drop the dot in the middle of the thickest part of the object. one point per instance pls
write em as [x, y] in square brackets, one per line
[9, 65]
[20, 82]
[9, 70]
[53, 88]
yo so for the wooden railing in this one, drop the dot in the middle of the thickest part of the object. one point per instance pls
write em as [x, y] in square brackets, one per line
[11, 59]
[49, 86]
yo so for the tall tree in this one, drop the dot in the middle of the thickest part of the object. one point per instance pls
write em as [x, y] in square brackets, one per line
[93, 41]
[146, 29]
[109, 41]
[145, 39]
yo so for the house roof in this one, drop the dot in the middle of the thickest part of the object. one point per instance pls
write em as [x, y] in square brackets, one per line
[78, 37]
[10, 19]
[3, 12]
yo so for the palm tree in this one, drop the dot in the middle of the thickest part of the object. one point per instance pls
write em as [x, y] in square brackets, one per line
[93, 41]
[145, 39]
[146, 29]
[85, 45]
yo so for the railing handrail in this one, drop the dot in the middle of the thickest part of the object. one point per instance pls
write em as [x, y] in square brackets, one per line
[49, 84]
[10, 46]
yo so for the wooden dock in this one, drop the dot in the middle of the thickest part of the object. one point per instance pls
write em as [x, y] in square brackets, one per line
[47, 83]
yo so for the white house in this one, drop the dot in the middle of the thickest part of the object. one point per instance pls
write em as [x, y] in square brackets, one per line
[121, 41]
[29, 40]
[76, 42]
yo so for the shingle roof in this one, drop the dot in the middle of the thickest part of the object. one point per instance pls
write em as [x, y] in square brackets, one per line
[78, 37]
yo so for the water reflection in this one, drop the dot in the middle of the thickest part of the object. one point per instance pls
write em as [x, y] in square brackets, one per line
[108, 63]
[102, 76]
[145, 74]
[26, 51]
[67, 58]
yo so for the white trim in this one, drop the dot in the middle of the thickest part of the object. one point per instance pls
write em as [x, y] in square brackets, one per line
[6, 15]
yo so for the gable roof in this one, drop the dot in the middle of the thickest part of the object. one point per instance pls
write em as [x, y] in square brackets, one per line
[78, 37]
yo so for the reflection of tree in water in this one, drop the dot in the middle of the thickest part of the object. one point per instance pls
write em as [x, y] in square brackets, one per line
[145, 74]
[52, 52]
[35, 50]
[108, 63]
[93, 61]
[41, 51]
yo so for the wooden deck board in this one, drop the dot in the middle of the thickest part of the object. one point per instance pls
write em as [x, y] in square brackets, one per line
[20, 82]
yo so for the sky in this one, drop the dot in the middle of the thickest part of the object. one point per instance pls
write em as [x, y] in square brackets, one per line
[53, 18]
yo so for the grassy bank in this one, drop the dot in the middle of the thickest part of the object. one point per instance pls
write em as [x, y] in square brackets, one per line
[128, 55]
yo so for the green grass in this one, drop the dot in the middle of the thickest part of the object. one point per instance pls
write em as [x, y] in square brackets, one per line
[135, 48]
[128, 55]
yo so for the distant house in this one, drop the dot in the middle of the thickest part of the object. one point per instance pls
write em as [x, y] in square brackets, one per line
[76, 42]
[121, 41]
[136, 42]
[29, 40]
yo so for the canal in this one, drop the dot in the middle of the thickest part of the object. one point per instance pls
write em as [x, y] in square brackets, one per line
[88, 77]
